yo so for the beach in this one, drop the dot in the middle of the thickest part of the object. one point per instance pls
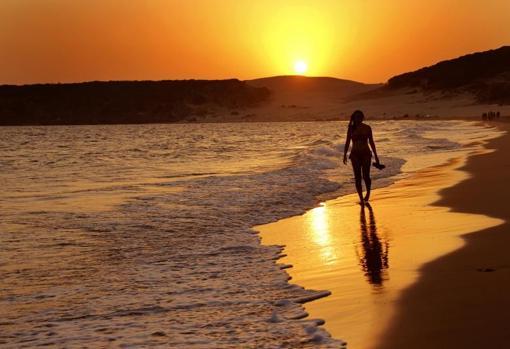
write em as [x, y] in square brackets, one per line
[141, 235]
[186, 174]
[466, 291]
[424, 266]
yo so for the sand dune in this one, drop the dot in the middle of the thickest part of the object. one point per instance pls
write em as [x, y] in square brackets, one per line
[466, 86]
[303, 104]
[302, 91]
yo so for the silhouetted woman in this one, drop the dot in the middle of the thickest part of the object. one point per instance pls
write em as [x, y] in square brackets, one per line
[361, 157]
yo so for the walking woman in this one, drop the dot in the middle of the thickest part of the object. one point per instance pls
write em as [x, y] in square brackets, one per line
[361, 157]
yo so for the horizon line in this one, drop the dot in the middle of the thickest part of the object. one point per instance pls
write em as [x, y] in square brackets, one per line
[187, 79]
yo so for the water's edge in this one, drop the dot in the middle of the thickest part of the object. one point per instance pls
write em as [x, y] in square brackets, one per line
[321, 334]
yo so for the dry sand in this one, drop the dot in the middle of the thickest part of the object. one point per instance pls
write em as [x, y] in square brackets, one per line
[403, 274]
[319, 108]
[299, 98]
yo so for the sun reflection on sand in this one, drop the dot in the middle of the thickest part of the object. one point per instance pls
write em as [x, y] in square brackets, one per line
[318, 222]
[341, 247]
[319, 225]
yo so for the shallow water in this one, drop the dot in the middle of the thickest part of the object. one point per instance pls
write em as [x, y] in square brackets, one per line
[139, 235]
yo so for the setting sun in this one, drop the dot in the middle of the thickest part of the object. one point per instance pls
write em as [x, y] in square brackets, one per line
[349, 156]
[300, 67]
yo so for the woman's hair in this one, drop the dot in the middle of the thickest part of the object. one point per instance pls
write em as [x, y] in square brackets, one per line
[356, 119]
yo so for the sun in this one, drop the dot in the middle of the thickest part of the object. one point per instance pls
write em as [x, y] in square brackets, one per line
[300, 67]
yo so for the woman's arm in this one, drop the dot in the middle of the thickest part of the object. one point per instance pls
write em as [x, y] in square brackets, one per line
[347, 144]
[372, 145]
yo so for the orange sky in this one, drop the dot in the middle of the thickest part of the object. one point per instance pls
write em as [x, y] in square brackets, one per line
[364, 40]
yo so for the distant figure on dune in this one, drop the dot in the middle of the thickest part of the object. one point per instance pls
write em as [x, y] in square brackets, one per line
[361, 157]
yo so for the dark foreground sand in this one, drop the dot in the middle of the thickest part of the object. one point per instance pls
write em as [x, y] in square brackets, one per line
[462, 300]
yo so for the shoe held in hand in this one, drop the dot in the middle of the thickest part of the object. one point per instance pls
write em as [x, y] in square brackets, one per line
[378, 165]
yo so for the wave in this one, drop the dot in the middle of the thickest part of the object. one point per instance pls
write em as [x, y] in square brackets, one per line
[185, 261]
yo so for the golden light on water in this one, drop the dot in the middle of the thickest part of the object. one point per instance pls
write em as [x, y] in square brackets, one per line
[319, 225]
[321, 235]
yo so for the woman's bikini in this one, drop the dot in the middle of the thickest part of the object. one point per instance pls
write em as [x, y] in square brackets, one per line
[360, 151]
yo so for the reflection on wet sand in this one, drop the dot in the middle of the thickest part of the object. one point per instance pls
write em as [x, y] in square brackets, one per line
[373, 256]
[319, 226]
[339, 248]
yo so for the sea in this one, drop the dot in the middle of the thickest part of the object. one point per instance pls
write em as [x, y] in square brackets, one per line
[140, 236]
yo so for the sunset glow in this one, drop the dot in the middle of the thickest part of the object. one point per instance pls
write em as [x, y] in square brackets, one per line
[246, 174]
[369, 41]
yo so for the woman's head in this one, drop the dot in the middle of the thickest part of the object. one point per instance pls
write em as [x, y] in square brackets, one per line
[356, 119]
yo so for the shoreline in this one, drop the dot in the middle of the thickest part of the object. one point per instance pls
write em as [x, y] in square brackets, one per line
[425, 184]
[461, 299]
[503, 119]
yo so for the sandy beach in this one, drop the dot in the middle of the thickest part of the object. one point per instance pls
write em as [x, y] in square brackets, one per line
[461, 299]
[424, 266]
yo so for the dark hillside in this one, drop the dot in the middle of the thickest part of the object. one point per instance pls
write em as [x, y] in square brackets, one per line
[123, 101]
[485, 74]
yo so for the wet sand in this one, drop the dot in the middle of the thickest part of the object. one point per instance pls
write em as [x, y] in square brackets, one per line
[462, 300]
[402, 272]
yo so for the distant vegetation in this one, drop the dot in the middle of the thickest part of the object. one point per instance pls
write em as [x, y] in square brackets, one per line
[485, 74]
[124, 102]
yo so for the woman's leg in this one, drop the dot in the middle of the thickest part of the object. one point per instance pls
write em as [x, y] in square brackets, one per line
[365, 168]
[356, 167]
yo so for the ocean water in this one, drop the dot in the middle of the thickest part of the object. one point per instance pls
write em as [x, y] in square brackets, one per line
[132, 236]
